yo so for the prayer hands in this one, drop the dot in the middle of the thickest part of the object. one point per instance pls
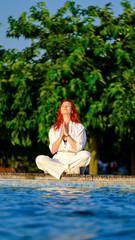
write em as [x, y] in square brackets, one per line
[64, 129]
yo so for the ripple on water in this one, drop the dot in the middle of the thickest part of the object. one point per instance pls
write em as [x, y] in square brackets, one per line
[58, 213]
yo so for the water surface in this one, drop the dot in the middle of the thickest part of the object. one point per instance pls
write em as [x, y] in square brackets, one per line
[59, 213]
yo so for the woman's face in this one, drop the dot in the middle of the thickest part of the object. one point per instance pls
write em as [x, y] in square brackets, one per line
[66, 108]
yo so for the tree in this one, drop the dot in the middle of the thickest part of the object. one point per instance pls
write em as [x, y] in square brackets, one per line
[72, 55]
[72, 58]
[121, 92]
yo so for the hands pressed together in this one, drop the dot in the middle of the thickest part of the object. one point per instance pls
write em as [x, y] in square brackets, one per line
[64, 135]
[64, 130]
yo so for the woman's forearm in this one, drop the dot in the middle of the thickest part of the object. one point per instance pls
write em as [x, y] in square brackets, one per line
[72, 142]
[56, 145]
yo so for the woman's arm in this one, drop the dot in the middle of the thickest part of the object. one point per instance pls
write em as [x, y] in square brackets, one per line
[79, 142]
[72, 142]
[56, 145]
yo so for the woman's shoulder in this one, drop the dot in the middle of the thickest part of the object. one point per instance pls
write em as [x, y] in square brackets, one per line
[78, 125]
[53, 129]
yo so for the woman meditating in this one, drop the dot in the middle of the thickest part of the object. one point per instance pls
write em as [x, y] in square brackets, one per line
[67, 139]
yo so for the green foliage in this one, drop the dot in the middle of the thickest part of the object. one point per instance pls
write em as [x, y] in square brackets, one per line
[84, 54]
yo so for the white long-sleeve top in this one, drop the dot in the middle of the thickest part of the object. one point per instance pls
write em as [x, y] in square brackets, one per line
[76, 131]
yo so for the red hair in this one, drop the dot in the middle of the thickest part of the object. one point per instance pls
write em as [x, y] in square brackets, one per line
[59, 117]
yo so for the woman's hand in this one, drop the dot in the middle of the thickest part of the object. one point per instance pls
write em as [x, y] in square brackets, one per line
[71, 141]
[66, 128]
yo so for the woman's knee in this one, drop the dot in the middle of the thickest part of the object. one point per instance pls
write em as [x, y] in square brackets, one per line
[38, 158]
[85, 154]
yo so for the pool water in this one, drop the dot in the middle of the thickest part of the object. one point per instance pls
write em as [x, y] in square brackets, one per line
[58, 213]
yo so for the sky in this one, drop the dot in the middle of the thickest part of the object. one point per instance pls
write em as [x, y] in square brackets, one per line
[15, 8]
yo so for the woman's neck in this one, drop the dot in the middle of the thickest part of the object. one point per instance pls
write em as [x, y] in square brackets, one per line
[66, 118]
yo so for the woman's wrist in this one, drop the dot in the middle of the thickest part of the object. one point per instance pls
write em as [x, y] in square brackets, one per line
[67, 135]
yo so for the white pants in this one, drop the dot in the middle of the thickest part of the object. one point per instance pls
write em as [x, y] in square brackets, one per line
[63, 161]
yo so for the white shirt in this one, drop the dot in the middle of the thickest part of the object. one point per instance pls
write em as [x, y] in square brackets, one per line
[76, 131]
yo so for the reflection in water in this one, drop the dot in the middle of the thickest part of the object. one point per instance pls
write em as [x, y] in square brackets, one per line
[64, 191]
[66, 213]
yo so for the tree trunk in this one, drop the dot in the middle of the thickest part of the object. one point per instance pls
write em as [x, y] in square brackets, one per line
[132, 159]
[1, 162]
[93, 167]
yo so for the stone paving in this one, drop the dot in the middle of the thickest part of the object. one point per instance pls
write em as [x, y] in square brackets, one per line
[43, 181]
[68, 177]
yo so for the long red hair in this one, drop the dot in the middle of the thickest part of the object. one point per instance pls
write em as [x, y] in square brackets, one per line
[59, 116]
